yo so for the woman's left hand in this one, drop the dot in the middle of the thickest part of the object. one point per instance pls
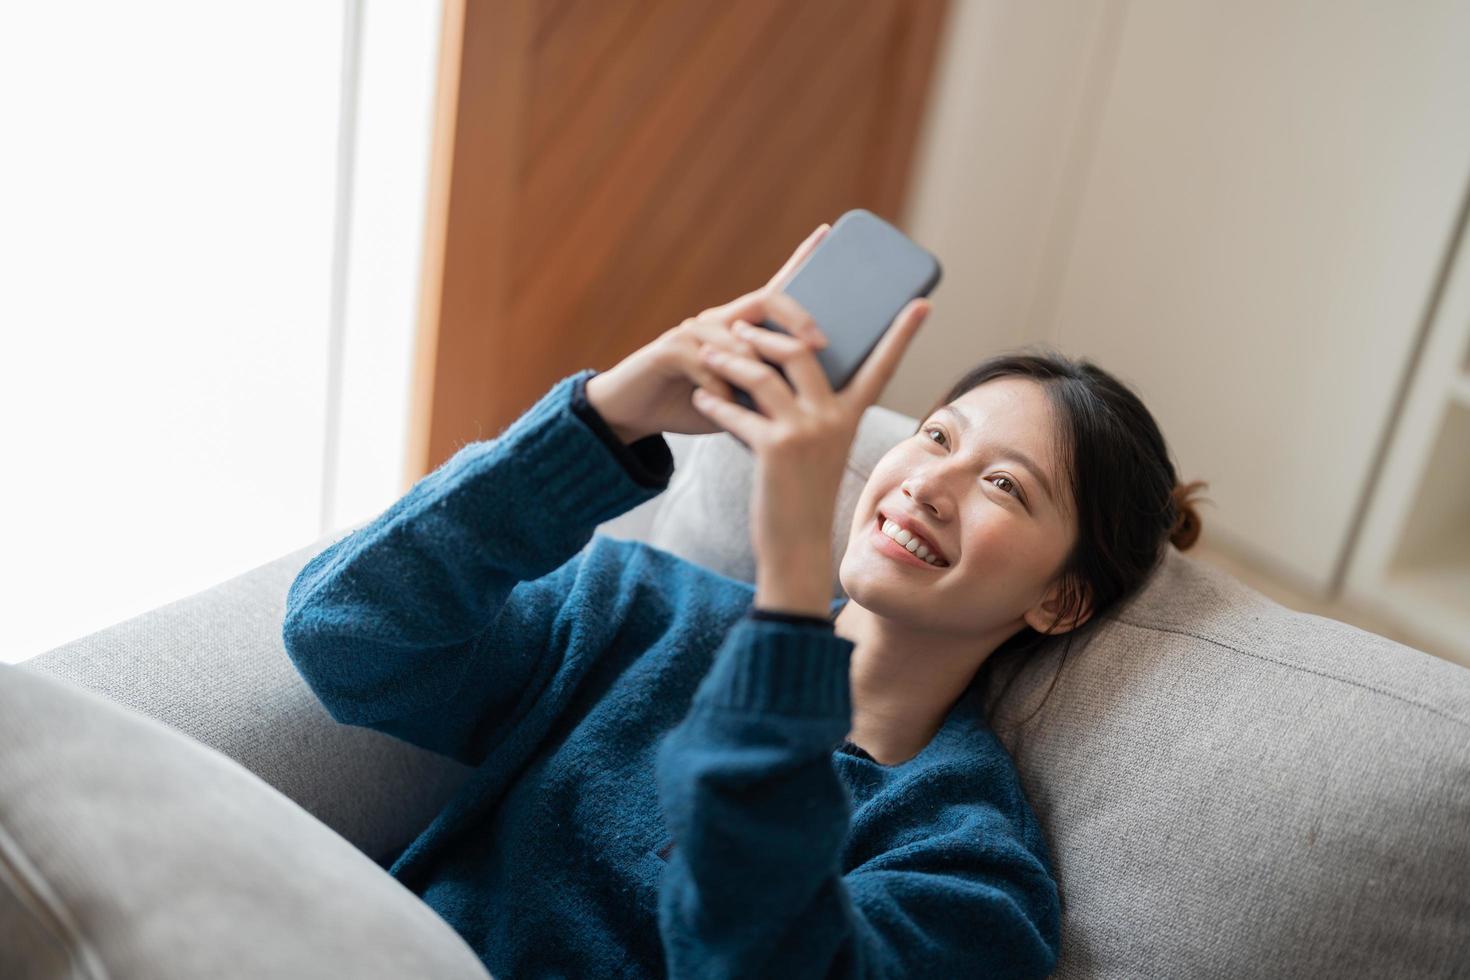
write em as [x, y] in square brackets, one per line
[801, 443]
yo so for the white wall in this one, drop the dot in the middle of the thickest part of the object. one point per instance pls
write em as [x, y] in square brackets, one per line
[1240, 209]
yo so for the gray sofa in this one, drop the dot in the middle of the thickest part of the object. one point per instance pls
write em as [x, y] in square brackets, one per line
[1230, 788]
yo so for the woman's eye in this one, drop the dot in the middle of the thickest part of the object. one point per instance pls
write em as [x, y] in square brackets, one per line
[1013, 490]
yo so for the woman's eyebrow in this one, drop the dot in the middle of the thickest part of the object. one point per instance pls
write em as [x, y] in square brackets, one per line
[1015, 454]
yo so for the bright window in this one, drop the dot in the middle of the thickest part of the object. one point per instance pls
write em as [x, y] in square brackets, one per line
[170, 191]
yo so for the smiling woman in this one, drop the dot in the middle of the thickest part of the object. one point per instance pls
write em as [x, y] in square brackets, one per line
[1112, 474]
[1035, 495]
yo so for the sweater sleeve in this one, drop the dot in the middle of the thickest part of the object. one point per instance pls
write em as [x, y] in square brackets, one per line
[431, 621]
[648, 460]
[754, 884]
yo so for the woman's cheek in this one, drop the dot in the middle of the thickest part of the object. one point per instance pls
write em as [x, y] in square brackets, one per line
[993, 540]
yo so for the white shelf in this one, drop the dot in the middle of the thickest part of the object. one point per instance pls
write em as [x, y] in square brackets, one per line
[1460, 390]
[1429, 601]
[1412, 561]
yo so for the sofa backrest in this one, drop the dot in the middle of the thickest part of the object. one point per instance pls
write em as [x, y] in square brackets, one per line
[1230, 787]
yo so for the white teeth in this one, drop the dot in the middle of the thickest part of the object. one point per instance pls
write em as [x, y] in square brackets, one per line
[910, 542]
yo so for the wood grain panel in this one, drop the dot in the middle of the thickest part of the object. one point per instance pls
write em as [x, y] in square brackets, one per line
[604, 168]
[747, 191]
[735, 163]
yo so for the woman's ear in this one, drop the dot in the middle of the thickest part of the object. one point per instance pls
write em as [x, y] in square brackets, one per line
[1052, 615]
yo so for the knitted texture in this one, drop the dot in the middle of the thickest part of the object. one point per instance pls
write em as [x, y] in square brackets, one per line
[664, 786]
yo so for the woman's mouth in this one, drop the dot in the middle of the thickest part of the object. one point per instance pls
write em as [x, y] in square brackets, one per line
[888, 546]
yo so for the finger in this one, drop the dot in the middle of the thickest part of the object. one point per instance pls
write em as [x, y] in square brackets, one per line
[764, 306]
[795, 357]
[873, 376]
[737, 420]
[721, 335]
[704, 376]
[792, 316]
[772, 395]
[745, 307]
[798, 256]
[751, 305]
[698, 333]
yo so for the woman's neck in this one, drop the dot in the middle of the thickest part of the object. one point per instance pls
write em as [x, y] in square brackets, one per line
[903, 685]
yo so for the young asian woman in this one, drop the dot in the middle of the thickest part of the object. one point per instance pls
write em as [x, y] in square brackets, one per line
[682, 774]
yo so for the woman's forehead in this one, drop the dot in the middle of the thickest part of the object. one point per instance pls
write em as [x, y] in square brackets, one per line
[1012, 410]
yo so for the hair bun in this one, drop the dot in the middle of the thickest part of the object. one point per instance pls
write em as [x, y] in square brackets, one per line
[1187, 527]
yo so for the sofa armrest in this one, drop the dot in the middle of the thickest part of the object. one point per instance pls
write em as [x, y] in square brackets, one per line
[213, 666]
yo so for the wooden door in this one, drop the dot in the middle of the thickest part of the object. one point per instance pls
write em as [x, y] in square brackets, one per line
[603, 169]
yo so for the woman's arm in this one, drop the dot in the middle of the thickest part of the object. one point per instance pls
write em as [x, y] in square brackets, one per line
[754, 884]
[430, 622]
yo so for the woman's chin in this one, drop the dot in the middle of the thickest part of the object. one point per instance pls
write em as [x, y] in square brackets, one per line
[877, 575]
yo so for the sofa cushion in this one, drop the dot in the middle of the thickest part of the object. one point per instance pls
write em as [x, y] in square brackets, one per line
[1230, 787]
[213, 666]
[129, 850]
[1233, 788]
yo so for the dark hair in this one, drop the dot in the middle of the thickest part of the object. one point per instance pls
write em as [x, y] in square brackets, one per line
[1125, 493]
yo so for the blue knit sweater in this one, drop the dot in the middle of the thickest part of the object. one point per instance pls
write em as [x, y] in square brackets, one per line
[663, 784]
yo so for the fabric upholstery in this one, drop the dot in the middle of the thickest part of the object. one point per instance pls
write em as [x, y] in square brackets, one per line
[128, 850]
[213, 667]
[1231, 788]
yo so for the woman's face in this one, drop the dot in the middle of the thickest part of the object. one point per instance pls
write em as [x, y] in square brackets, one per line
[979, 480]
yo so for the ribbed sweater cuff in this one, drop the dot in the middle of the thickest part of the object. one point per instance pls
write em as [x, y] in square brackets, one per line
[568, 482]
[648, 460]
[770, 666]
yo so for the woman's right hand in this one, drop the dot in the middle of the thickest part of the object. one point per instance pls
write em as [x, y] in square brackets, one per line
[650, 391]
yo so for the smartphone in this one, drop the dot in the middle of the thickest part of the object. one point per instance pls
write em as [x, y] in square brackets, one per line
[854, 283]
